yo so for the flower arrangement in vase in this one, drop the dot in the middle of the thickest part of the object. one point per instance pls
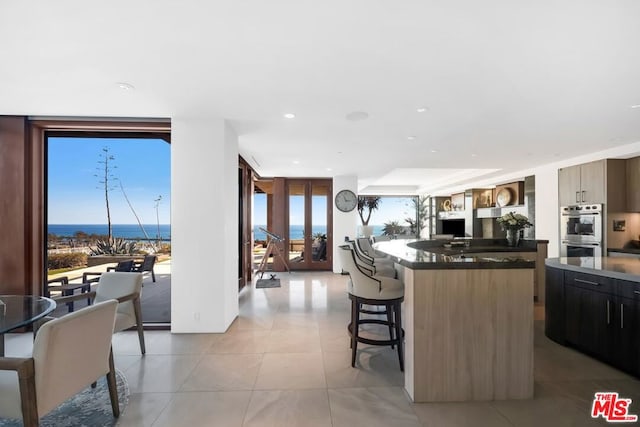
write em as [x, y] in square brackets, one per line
[512, 223]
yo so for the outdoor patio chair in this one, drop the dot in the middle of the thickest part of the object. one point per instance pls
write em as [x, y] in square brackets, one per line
[146, 266]
[122, 266]
[60, 366]
[62, 285]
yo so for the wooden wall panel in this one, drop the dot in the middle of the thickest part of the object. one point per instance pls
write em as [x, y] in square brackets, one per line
[15, 266]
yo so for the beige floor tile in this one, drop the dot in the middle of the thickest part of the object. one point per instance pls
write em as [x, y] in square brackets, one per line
[294, 340]
[463, 414]
[376, 367]
[160, 373]
[200, 409]
[219, 372]
[240, 341]
[143, 409]
[371, 407]
[281, 371]
[288, 408]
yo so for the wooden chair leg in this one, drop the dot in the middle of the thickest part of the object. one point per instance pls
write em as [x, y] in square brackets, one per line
[113, 387]
[397, 309]
[28, 398]
[138, 312]
[355, 320]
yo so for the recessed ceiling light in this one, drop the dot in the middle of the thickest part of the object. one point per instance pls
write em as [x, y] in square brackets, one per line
[421, 109]
[289, 116]
[329, 169]
[125, 86]
[474, 155]
[296, 162]
[635, 106]
[411, 137]
[356, 116]
[434, 151]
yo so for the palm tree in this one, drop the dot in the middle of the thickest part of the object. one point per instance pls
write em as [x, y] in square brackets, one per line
[371, 203]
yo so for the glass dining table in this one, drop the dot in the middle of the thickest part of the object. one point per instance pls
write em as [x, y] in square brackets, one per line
[17, 311]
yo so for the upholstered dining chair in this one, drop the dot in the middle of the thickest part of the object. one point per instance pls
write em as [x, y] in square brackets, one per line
[364, 245]
[69, 353]
[367, 290]
[126, 288]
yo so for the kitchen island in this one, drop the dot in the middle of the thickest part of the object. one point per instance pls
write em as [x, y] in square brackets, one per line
[468, 319]
[593, 305]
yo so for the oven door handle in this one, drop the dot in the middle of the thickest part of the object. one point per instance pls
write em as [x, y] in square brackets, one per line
[566, 242]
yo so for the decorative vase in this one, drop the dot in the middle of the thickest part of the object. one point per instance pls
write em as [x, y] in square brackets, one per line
[513, 237]
[366, 230]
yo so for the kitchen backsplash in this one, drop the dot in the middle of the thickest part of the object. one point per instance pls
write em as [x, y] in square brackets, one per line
[617, 239]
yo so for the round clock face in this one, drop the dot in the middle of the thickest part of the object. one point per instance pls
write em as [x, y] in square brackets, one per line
[346, 200]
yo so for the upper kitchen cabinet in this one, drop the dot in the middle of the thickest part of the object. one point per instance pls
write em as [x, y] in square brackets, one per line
[581, 184]
[602, 181]
[633, 184]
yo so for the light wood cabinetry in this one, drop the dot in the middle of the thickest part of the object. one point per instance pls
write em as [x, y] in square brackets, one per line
[582, 184]
[633, 184]
[603, 181]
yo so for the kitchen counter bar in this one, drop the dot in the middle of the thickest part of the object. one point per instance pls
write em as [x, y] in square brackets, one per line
[623, 268]
[468, 316]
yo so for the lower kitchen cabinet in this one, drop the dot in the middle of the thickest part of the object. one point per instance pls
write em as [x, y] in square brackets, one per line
[595, 314]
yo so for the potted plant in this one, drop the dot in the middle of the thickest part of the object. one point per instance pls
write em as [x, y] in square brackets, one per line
[512, 223]
[370, 204]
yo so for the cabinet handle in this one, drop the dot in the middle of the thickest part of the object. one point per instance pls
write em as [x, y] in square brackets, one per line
[621, 316]
[587, 282]
[608, 312]
[577, 197]
[583, 191]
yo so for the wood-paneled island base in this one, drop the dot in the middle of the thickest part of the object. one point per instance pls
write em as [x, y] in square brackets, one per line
[468, 323]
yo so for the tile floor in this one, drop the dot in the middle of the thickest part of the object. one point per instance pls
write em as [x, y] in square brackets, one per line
[286, 362]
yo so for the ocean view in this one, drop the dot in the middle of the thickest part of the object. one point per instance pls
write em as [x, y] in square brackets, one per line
[126, 231]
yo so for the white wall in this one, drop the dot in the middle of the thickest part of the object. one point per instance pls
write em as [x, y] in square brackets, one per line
[204, 224]
[344, 223]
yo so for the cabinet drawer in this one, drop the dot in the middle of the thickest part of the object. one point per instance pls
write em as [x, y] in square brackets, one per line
[627, 289]
[590, 281]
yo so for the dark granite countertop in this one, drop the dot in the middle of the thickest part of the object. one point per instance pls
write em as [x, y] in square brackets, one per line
[624, 268]
[625, 250]
[481, 254]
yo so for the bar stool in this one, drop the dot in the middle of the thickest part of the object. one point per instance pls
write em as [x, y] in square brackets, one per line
[366, 289]
[379, 267]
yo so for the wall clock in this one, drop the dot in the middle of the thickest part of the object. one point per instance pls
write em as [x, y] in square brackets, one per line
[346, 200]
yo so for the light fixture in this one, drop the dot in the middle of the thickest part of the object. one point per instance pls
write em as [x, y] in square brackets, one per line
[329, 169]
[125, 86]
[411, 137]
[434, 151]
[635, 106]
[296, 162]
[474, 155]
[421, 109]
[289, 116]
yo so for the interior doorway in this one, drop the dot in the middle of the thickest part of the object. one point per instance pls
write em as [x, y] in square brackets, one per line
[309, 232]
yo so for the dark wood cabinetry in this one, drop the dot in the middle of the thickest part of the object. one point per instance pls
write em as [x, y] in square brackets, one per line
[595, 314]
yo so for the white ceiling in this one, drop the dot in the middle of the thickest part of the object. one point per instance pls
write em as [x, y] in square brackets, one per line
[507, 84]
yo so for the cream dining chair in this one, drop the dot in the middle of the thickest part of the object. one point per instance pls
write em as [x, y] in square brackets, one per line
[69, 353]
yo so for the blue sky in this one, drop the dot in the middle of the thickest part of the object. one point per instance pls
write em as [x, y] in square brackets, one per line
[391, 209]
[143, 166]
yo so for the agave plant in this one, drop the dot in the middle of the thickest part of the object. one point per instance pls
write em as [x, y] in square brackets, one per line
[117, 246]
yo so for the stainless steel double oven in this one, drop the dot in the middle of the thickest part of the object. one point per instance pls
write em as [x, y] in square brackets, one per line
[581, 231]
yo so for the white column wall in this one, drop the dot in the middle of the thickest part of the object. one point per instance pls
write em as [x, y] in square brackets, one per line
[344, 223]
[204, 224]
